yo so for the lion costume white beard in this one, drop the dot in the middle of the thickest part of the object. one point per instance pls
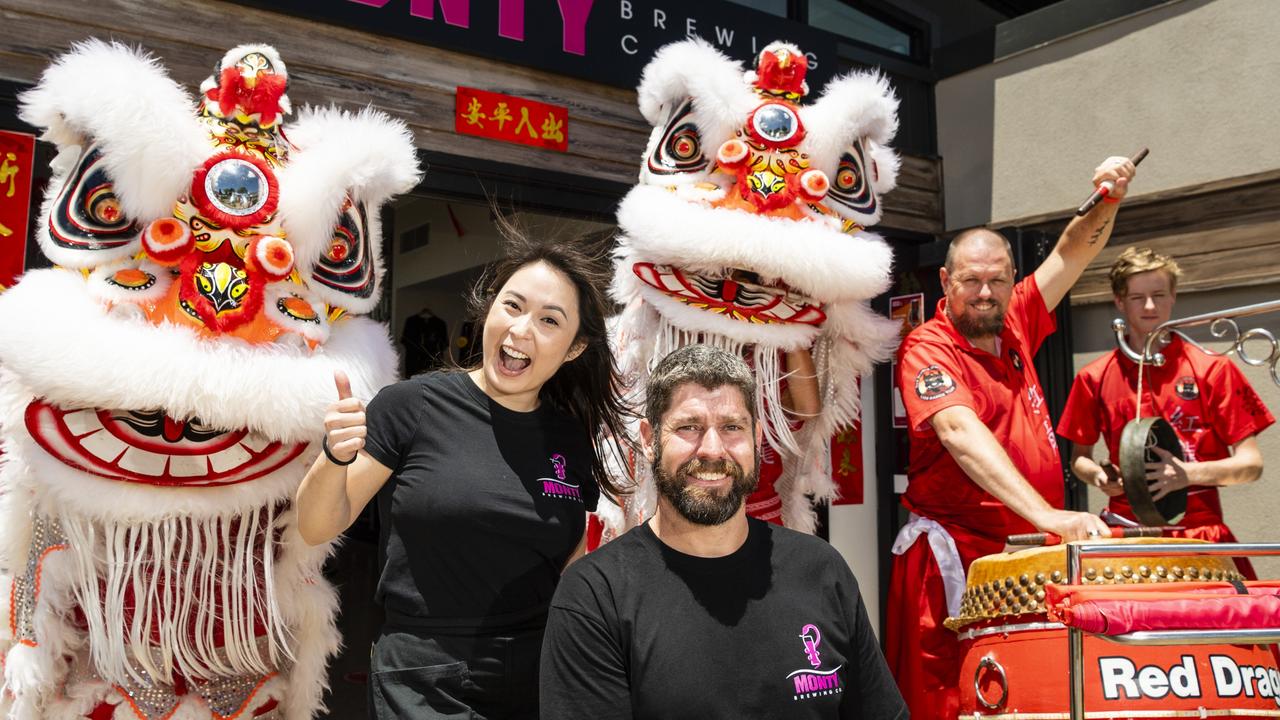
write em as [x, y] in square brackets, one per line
[161, 392]
[812, 267]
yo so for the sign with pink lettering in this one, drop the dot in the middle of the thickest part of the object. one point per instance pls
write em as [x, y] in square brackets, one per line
[606, 41]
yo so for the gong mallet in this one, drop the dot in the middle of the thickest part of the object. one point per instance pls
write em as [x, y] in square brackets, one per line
[1106, 187]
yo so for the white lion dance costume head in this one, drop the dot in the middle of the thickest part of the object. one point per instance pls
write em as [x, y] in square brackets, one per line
[163, 389]
[747, 231]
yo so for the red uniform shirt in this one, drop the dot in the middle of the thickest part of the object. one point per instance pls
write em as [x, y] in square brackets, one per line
[938, 368]
[1205, 398]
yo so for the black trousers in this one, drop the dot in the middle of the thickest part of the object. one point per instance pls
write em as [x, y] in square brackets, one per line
[434, 676]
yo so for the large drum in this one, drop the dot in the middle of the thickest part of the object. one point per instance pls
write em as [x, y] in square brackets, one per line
[1014, 660]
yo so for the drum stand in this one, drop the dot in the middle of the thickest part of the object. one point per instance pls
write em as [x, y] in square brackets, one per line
[1075, 636]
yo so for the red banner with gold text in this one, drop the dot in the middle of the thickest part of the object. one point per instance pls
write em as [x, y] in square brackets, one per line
[511, 119]
[846, 463]
[17, 155]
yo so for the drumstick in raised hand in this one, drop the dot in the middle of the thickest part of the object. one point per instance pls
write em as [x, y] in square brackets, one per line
[1105, 188]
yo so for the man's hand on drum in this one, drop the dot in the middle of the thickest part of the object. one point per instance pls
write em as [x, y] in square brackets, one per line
[344, 421]
[1071, 525]
[1166, 476]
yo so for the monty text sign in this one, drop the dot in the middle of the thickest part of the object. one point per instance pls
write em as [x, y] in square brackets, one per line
[606, 41]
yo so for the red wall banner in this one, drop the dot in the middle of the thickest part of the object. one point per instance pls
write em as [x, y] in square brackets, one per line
[846, 463]
[17, 155]
[511, 119]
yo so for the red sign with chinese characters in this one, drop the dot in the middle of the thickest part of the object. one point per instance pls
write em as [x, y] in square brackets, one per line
[511, 119]
[17, 154]
[846, 464]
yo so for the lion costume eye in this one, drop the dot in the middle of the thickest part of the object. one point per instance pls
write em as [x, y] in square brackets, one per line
[346, 265]
[851, 190]
[680, 149]
[86, 214]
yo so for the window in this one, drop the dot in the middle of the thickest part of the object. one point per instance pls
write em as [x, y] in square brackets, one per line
[773, 7]
[838, 17]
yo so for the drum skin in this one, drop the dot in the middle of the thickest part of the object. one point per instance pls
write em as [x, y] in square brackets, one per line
[1005, 635]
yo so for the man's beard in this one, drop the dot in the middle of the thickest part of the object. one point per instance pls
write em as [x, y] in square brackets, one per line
[703, 506]
[977, 326]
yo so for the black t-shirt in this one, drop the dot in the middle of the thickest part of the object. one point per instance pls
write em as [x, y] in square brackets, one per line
[775, 630]
[483, 507]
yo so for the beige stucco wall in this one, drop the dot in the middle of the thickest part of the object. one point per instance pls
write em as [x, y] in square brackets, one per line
[1251, 510]
[1197, 81]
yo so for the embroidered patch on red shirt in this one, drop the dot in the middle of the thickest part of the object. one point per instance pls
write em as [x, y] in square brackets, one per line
[933, 382]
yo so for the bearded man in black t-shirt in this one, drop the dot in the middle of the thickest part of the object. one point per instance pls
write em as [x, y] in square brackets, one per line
[701, 612]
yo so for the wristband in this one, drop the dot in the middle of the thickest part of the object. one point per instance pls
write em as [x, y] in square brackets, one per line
[324, 443]
[1111, 200]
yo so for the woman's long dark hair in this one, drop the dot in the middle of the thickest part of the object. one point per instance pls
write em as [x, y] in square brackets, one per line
[588, 387]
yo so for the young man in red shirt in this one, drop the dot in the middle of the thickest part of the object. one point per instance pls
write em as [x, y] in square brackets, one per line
[1206, 398]
[983, 460]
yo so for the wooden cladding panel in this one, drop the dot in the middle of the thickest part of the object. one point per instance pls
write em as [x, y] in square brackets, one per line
[1246, 254]
[1222, 235]
[330, 64]
[921, 173]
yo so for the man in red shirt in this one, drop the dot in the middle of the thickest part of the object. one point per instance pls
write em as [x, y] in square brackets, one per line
[1206, 398]
[984, 460]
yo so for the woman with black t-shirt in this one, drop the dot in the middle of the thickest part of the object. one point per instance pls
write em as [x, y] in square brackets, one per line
[483, 480]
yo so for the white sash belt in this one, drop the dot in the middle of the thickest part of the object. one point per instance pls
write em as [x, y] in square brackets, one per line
[944, 553]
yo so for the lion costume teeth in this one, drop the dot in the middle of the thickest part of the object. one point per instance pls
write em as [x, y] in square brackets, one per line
[748, 231]
[161, 390]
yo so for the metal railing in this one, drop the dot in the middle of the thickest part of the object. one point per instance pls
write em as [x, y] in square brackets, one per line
[1075, 636]
[1222, 326]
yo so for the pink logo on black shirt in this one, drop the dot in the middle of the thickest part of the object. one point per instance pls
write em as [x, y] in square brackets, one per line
[560, 487]
[813, 681]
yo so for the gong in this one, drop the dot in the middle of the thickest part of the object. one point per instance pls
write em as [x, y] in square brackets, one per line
[1137, 443]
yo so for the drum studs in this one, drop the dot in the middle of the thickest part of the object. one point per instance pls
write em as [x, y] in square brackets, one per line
[1108, 573]
[1039, 578]
[1176, 571]
[1008, 582]
[1193, 572]
[1057, 576]
[1039, 596]
[1126, 571]
[1024, 580]
[1144, 571]
[1091, 574]
[1161, 572]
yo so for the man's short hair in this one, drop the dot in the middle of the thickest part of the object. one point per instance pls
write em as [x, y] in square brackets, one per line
[971, 234]
[1136, 260]
[709, 367]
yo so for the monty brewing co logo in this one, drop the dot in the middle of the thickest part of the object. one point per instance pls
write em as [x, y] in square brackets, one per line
[560, 487]
[813, 681]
